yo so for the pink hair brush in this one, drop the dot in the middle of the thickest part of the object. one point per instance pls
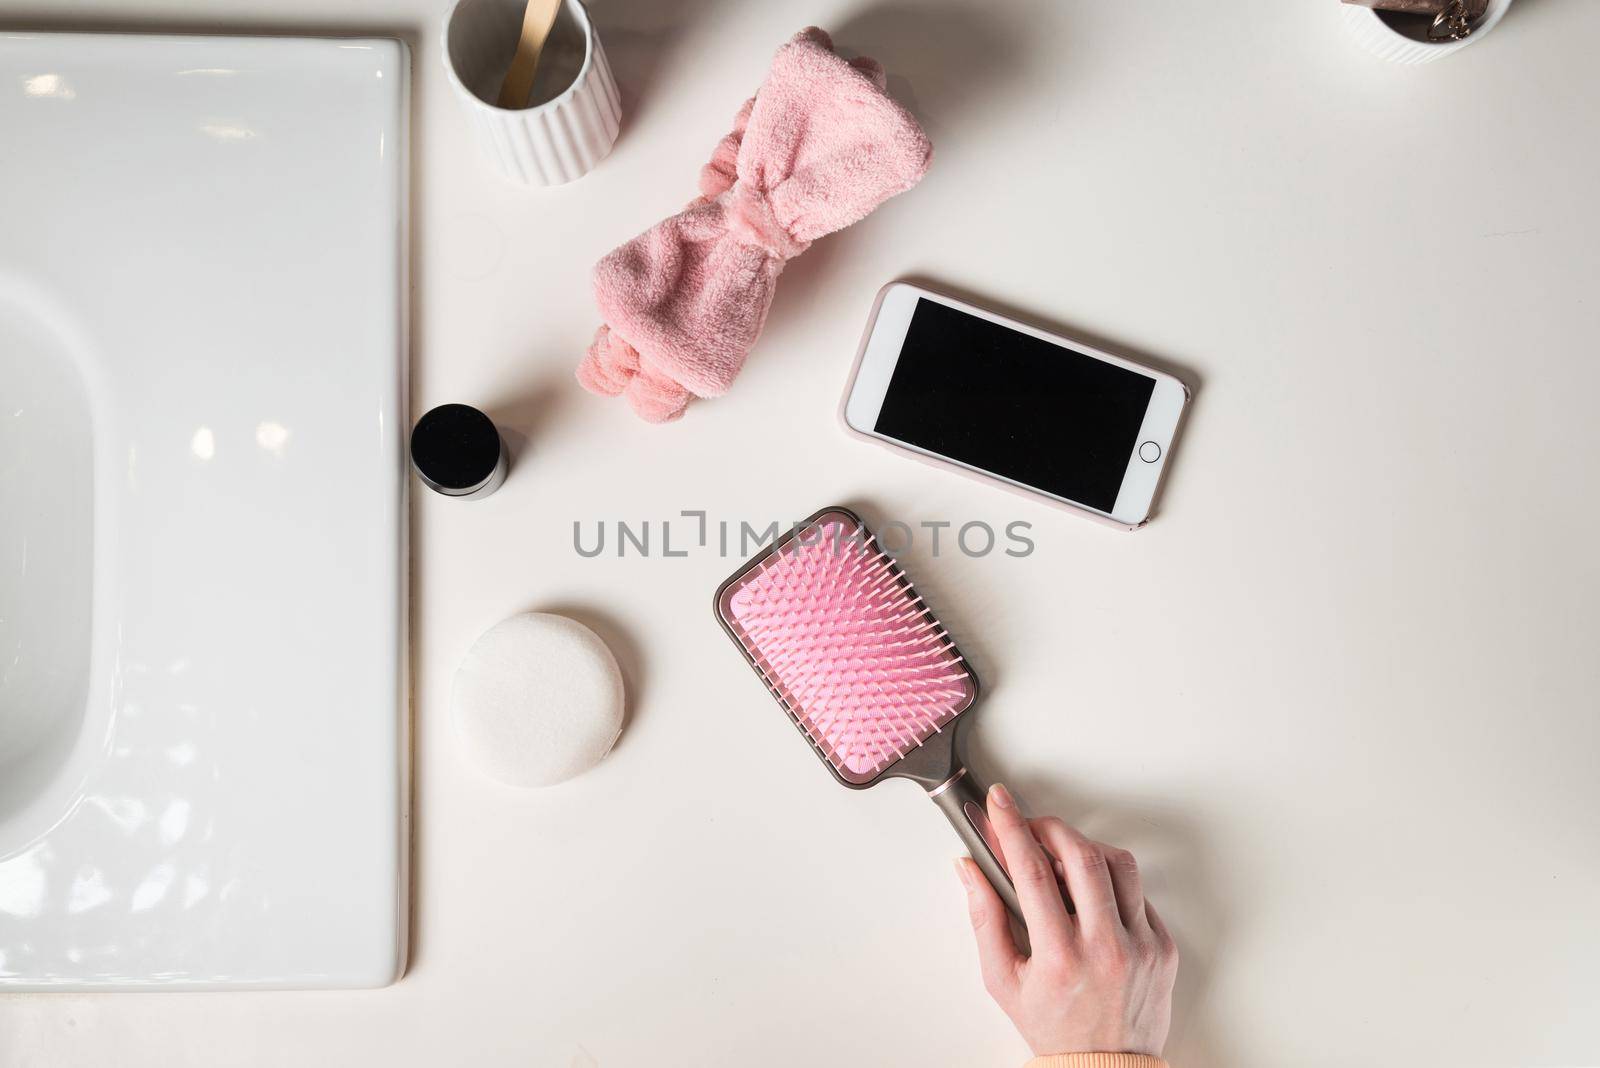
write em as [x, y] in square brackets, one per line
[840, 637]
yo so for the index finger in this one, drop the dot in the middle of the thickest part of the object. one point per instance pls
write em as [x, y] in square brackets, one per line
[1031, 871]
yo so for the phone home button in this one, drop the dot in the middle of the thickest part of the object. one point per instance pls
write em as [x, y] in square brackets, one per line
[1149, 452]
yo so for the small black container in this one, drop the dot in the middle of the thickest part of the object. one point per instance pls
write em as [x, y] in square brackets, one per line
[457, 451]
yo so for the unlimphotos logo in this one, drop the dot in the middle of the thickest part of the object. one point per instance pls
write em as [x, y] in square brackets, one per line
[675, 537]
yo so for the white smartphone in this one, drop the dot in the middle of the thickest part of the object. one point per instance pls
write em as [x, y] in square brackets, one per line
[1060, 420]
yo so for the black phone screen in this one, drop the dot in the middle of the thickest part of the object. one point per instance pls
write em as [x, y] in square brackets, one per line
[1032, 411]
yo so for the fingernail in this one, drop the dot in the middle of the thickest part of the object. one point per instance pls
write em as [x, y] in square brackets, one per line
[1001, 796]
[964, 870]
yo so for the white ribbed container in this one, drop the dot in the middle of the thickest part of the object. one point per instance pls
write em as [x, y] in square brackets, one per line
[575, 124]
[1384, 41]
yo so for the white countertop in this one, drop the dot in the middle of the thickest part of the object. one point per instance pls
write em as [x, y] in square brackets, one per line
[1340, 697]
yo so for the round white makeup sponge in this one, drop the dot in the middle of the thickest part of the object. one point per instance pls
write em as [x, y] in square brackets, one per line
[537, 700]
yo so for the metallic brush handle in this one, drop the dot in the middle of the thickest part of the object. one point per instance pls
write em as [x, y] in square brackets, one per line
[961, 799]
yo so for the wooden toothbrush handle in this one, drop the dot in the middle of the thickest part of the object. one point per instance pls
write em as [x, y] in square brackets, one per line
[961, 798]
[537, 18]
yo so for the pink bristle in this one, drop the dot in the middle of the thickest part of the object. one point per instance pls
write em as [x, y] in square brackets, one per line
[848, 647]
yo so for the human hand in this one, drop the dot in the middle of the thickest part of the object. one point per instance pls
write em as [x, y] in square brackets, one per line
[1098, 981]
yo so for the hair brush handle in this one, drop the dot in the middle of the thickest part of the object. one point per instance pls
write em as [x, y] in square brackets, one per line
[961, 798]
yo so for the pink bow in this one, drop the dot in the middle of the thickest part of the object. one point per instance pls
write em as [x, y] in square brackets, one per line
[819, 146]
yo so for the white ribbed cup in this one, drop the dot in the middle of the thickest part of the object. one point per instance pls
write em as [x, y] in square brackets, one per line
[558, 139]
[1384, 41]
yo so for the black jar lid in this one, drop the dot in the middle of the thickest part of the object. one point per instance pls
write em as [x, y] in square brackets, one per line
[456, 449]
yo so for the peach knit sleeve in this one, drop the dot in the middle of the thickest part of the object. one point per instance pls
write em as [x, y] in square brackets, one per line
[1097, 1060]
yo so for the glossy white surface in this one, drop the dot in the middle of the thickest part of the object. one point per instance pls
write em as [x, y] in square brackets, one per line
[53, 704]
[202, 365]
[1339, 695]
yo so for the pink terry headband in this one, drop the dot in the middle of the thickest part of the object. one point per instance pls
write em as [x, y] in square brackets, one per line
[819, 146]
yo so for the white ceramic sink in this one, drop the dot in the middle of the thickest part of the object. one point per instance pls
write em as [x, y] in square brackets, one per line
[202, 554]
[47, 567]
